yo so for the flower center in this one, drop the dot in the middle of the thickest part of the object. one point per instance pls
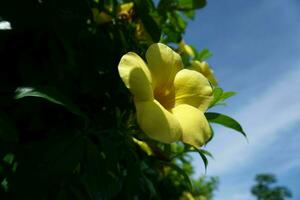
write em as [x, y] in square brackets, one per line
[166, 97]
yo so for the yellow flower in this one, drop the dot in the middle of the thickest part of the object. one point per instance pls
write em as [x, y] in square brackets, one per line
[186, 196]
[125, 11]
[100, 17]
[141, 32]
[204, 69]
[186, 49]
[144, 146]
[170, 101]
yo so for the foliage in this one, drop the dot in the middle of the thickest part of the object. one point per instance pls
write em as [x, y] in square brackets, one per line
[265, 189]
[67, 123]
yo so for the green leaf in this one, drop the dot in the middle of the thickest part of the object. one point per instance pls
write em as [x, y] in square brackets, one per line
[217, 93]
[147, 16]
[150, 186]
[226, 95]
[51, 95]
[190, 14]
[203, 55]
[225, 121]
[220, 96]
[203, 154]
[212, 135]
[4, 184]
[190, 4]
[9, 158]
[180, 171]
[207, 153]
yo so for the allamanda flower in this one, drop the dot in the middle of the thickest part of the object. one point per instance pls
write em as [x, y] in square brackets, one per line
[204, 69]
[186, 49]
[170, 101]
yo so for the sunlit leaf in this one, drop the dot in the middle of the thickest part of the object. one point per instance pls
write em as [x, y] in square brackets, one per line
[225, 121]
[203, 55]
[220, 96]
[226, 95]
[51, 95]
[217, 94]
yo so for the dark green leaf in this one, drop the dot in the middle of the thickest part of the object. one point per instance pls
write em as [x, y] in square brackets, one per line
[51, 95]
[225, 121]
[190, 14]
[203, 154]
[207, 153]
[4, 184]
[147, 16]
[181, 172]
[190, 4]
[150, 186]
[9, 158]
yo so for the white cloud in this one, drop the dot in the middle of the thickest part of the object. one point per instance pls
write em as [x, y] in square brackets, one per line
[264, 119]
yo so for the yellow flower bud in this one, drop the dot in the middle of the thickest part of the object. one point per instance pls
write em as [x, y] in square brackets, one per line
[144, 146]
[141, 32]
[125, 11]
[204, 69]
[186, 196]
[100, 17]
[186, 49]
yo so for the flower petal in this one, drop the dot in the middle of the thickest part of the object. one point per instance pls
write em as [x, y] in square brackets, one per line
[204, 69]
[186, 49]
[192, 88]
[163, 63]
[195, 127]
[157, 122]
[136, 76]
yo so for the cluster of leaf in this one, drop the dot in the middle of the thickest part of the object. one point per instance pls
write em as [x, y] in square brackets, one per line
[67, 122]
[264, 189]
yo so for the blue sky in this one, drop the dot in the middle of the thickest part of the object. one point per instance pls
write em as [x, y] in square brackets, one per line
[256, 47]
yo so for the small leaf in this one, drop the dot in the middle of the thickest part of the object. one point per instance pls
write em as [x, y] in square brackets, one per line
[220, 96]
[207, 153]
[50, 94]
[9, 158]
[190, 14]
[202, 154]
[225, 121]
[150, 186]
[226, 95]
[190, 4]
[4, 184]
[217, 93]
[180, 171]
[147, 14]
[203, 55]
